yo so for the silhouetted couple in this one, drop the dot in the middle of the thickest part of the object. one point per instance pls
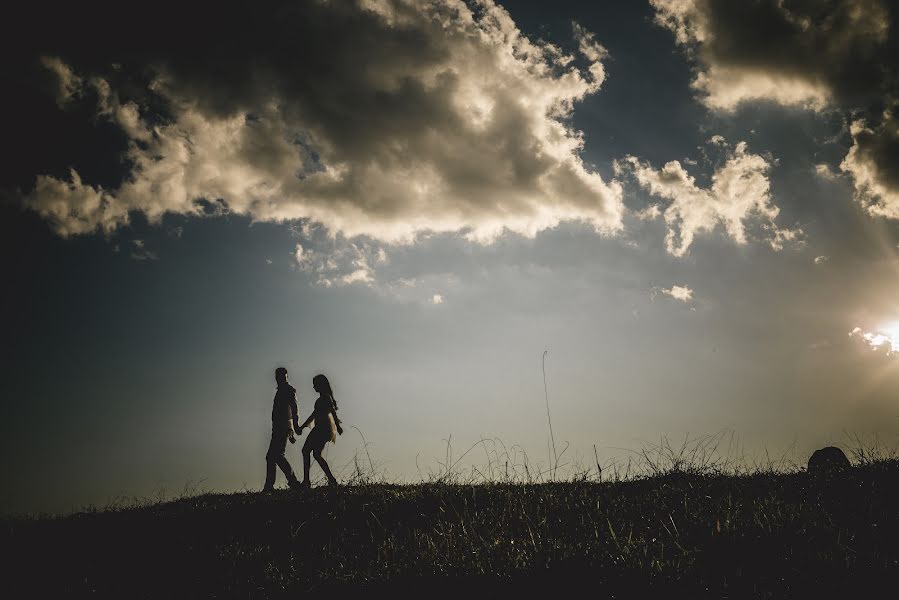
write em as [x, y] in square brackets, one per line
[286, 422]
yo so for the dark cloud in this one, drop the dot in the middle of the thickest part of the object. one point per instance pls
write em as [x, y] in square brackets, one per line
[873, 163]
[841, 54]
[377, 117]
[801, 52]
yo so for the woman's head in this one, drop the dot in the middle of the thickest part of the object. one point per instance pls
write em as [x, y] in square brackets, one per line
[281, 375]
[321, 385]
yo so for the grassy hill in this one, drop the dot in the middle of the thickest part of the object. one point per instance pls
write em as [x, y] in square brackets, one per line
[757, 535]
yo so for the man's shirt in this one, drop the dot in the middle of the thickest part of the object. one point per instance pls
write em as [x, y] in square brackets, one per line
[285, 407]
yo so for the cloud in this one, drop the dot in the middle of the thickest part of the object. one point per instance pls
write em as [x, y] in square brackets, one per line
[382, 118]
[873, 164]
[682, 293]
[592, 51]
[74, 207]
[338, 261]
[69, 85]
[820, 260]
[302, 257]
[825, 171]
[649, 213]
[807, 53]
[812, 54]
[739, 192]
[360, 275]
[877, 341]
[139, 251]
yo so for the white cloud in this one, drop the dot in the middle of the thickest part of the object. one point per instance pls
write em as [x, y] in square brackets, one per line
[74, 207]
[725, 88]
[877, 341]
[303, 259]
[650, 213]
[820, 260]
[872, 164]
[436, 299]
[592, 51]
[824, 171]
[470, 133]
[337, 261]
[360, 275]
[682, 293]
[739, 192]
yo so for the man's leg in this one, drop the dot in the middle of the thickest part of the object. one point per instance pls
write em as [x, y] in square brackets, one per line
[269, 477]
[270, 459]
[287, 470]
[276, 456]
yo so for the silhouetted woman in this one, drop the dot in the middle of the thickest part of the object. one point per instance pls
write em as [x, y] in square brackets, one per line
[325, 428]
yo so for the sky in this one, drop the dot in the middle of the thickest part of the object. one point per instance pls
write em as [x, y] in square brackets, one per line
[687, 211]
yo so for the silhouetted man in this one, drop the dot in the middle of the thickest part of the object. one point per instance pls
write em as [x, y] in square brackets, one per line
[285, 420]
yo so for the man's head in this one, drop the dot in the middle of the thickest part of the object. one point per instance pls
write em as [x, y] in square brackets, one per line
[281, 375]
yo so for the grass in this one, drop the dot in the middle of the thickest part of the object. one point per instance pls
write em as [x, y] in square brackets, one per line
[670, 521]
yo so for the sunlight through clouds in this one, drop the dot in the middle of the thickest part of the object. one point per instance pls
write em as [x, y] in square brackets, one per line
[885, 340]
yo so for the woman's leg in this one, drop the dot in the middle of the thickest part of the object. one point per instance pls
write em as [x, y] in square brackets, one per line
[307, 450]
[324, 465]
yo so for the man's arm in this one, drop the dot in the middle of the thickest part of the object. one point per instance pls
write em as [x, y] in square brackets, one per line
[295, 412]
[307, 421]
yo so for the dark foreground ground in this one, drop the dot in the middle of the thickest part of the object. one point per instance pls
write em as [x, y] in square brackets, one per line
[677, 535]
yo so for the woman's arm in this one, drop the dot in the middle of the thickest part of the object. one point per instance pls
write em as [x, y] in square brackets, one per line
[307, 421]
[336, 421]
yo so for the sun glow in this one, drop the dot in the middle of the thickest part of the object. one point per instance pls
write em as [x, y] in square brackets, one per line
[885, 338]
[891, 330]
